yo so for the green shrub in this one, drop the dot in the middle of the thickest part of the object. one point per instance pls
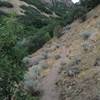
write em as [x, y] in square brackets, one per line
[24, 95]
[42, 7]
[58, 31]
[79, 11]
[68, 17]
[30, 18]
[38, 40]
[11, 67]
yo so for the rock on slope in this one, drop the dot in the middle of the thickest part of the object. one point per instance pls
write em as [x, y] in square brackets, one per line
[68, 68]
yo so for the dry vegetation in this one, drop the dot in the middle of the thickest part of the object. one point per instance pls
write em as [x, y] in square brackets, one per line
[78, 58]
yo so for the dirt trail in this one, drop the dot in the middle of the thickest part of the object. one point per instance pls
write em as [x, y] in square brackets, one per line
[48, 83]
[49, 86]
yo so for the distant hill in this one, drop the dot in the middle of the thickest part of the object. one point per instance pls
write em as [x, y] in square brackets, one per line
[66, 2]
[5, 5]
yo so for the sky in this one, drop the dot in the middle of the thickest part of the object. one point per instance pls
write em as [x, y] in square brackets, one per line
[75, 1]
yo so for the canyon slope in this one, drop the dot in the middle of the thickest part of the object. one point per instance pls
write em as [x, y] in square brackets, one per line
[68, 68]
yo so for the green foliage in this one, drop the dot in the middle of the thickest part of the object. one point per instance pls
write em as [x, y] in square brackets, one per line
[41, 6]
[37, 41]
[38, 29]
[79, 11]
[14, 46]
[59, 8]
[23, 95]
[33, 18]
[67, 18]
[11, 67]
[58, 31]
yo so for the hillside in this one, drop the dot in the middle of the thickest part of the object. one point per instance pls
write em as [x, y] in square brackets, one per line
[66, 2]
[49, 50]
[16, 5]
[68, 68]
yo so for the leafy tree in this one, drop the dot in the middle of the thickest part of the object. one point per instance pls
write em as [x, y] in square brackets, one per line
[11, 67]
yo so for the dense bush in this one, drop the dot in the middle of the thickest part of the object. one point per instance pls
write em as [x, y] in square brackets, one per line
[58, 31]
[42, 7]
[11, 54]
[37, 41]
[79, 11]
[30, 18]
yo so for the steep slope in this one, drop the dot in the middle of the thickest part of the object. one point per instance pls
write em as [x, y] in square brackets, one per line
[16, 7]
[66, 2]
[20, 11]
[68, 68]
